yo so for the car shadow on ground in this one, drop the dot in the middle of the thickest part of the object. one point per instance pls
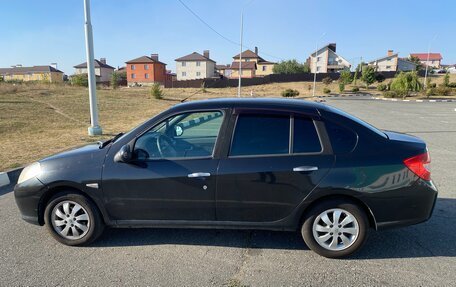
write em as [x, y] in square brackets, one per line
[434, 238]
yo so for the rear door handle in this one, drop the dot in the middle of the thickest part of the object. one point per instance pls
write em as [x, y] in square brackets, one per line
[305, 168]
[199, 174]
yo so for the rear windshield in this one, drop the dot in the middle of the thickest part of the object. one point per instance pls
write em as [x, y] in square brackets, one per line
[359, 121]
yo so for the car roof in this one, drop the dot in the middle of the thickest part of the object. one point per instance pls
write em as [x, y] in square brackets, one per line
[253, 103]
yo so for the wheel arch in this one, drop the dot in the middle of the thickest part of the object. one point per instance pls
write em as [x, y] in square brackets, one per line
[46, 197]
[349, 198]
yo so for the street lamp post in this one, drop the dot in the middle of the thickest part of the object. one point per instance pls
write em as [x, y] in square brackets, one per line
[427, 61]
[94, 128]
[240, 54]
[315, 67]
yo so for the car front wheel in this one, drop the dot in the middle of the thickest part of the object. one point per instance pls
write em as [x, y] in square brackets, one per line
[72, 219]
[335, 228]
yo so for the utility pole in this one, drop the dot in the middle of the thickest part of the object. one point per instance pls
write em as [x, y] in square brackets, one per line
[94, 128]
[240, 55]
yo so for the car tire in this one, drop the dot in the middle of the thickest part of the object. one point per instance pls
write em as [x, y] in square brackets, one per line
[335, 240]
[73, 219]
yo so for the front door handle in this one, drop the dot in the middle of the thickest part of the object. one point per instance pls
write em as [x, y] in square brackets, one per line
[199, 174]
[305, 168]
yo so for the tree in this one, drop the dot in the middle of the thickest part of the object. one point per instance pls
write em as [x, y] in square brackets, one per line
[290, 67]
[156, 91]
[345, 77]
[406, 82]
[115, 78]
[368, 75]
[416, 60]
[355, 76]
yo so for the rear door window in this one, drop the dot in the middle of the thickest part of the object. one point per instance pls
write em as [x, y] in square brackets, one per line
[256, 134]
[343, 140]
[305, 136]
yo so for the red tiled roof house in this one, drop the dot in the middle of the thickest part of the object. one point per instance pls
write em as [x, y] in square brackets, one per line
[435, 59]
[146, 70]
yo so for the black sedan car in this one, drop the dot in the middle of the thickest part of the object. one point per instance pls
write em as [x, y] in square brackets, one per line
[237, 163]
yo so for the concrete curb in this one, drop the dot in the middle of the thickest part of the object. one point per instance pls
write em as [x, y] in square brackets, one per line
[343, 95]
[416, 101]
[8, 179]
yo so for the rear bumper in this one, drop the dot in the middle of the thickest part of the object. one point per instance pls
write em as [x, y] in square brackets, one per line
[27, 196]
[405, 206]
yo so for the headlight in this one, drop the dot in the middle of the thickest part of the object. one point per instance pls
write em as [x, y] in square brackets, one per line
[29, 172]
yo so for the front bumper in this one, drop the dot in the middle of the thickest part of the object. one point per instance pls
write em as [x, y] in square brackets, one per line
[28, 195]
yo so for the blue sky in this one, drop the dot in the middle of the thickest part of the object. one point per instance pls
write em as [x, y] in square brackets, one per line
[41, 32]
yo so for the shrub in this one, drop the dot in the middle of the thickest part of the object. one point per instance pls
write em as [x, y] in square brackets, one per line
[203, 87]
[446, 80]
[309, 87]
[406, 82]
[290, 67]
[442, 91]
[450, 85]
[382, 87]
[156, 91]
[290, 93]
[327, 81]
[81, 80]
[326, 91]
[341, 87]
[355, 89]
[379, 77]
[390, 94]
[345, 77]
[432, 85]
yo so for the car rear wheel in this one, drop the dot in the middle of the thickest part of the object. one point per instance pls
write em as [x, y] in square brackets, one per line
[72, 219]
[335, 228]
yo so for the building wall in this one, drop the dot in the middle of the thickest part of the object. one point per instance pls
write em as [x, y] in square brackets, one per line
[103, 74]
[321, 61]
[246, 60]
[51, 77]
[190, 70]
[146, 73]
[245, 73]
[431, 63]
[264, 69]
[388, 64]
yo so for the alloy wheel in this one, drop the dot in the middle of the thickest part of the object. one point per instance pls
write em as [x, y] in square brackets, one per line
[70, 220]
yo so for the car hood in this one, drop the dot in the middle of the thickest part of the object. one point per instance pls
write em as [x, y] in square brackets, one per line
[86, 152]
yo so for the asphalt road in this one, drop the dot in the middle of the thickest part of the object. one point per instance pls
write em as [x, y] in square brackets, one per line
[421, 255]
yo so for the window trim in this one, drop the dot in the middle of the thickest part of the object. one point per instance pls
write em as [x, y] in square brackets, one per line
[217, 143]
[291, 116]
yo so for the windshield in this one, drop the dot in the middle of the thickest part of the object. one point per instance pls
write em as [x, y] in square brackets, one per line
[357, 120]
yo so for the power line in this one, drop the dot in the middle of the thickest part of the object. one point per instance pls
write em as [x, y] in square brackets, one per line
[218, 33]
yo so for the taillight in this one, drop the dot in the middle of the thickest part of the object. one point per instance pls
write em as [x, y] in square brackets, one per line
[420, 165]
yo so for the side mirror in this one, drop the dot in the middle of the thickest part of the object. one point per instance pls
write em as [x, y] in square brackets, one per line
[123, 155]
[178, 130]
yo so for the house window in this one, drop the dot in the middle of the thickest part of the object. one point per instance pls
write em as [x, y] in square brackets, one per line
[184, 74]
[146, 76]
[184, 64]
[133, 76]
[198, 64]
[388, 67]
[247, 60]
[318, 59]
[146, 67]
[264, 68]
[133, 67]
[318, 69]
[198, 74]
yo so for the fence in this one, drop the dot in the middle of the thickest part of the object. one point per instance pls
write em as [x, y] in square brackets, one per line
[273, 78]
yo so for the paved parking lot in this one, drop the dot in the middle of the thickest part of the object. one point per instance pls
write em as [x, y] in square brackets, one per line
[421, 255]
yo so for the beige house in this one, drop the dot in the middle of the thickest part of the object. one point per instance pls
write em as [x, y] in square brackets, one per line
[195, 66]
[431, 60]
[103, 71]
[392, 63]
[36, 73]
[263, 67]
[248, 69]
[326, 60]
